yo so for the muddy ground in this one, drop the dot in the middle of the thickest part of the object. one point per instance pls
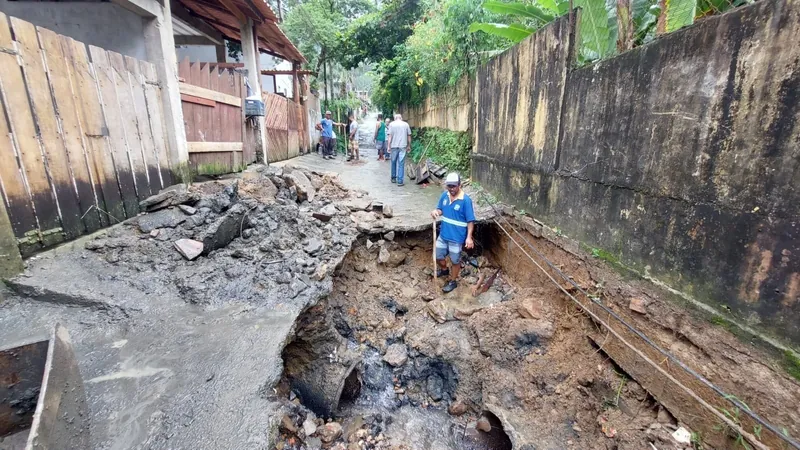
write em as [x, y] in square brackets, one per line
[298, 274]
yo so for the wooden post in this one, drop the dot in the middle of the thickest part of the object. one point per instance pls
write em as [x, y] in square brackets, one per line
[222, 53]
[295, 84]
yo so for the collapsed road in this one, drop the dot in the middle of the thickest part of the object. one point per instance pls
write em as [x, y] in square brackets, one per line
[284, 310]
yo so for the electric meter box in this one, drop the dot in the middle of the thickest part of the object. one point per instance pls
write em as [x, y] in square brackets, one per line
[254, 106]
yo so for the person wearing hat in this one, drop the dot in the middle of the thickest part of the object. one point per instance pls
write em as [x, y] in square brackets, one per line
[326, 126]
[458, 218]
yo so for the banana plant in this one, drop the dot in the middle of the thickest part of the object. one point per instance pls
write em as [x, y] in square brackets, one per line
[536, 15]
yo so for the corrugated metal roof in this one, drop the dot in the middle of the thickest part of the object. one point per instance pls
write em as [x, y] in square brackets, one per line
[181, 28]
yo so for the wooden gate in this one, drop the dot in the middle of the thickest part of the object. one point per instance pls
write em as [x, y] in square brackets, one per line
[212, 98]
[286, 127]
[81, 142]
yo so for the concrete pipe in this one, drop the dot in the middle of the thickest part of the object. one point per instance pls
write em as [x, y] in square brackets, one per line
[325, 384]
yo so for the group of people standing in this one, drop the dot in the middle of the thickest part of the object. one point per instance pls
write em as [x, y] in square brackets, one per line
[454, 209]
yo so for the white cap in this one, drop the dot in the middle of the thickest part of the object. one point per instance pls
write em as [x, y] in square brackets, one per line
[452, 179]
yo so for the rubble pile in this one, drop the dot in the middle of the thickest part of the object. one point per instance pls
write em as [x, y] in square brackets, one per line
[262, 239]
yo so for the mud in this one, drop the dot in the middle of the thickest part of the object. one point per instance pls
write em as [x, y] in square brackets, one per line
[520, 355]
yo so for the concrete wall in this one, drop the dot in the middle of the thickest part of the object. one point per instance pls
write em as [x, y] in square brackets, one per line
[105, 25]
[450, 109]
[680, 158]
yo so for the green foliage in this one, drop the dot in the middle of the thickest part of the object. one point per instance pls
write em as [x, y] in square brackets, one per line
[596, 39]
[791, 363]
[514, 32]
[445, 147]
[680, 13]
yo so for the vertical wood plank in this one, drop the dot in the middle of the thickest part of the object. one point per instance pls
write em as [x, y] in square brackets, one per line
[184, 71]
[157, 124]
[143, 124]
[55, 157]
[71, 133]
[12, 181]
[129, 123]
[116, 132]
[197, 115]
[215, 113]
[95, 133]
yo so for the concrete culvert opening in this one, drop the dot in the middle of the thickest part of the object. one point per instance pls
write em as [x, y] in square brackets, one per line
[434, 367]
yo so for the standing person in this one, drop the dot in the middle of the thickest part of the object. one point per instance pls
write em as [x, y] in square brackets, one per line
[458, 217]
[380, 138]
[400, 143]
[326, 126]
[386, 143]
[353, 138]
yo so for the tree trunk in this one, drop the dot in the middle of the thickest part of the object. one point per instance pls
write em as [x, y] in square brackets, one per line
[325, 75]
[280, 12]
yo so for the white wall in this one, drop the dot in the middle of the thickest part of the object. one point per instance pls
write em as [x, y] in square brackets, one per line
[105, 25]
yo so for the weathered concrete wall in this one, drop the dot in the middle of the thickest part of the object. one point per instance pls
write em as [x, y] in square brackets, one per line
[449, 109]
[680, 158]
[104, 25]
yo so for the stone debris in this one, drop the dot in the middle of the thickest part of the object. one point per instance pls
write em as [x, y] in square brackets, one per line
[682, 436]
[389, 236]
[189, 248]
[164, 218]
[387, 212]
[178, 194]
[309, 427]
[638, 305]
[314, 246]
[358, 204]
[330, 432]
[384, 255]
[396, 355]
[457, 408]
[483, 425]
[225, 229]
[530, 308]
[301, 183]
[190, 211]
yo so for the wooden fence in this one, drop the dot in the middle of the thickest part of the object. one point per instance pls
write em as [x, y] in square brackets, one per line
[81, 142]
[212, 100]
[285, 128]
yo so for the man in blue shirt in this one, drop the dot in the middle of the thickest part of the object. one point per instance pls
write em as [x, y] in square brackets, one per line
[326, 126]
[458, 217]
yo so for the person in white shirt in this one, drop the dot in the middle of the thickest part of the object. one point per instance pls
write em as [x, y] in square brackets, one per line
[353, 139]
[399, 137]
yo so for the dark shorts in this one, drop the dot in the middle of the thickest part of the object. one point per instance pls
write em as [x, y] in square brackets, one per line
[327, 146]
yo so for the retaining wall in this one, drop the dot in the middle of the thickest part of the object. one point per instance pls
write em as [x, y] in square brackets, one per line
[679, 158]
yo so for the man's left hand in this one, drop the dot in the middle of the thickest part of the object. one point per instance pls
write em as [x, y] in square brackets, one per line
[470, 243]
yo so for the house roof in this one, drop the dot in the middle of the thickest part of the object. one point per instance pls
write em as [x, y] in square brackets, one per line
[226, 15]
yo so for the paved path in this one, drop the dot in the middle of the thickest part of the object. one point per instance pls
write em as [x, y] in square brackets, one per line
[412, 203]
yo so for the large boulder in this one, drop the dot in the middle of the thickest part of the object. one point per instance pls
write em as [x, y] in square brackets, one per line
[301, 183]
[227, 228]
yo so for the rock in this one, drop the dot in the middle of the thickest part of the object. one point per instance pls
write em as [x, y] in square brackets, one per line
[389, 236]
[321, 272]
[358, 204]
[457, 408]
[384, 255]
[490, 298]
[314, 443]
[638, 305]
[321, 217]
[396, 355]
[301, 183]
[189, 248]
[309, 427]
[164, 218]
[369, 244]
[172, 196]
[682, 436]
[96, 244]
[388, 212]
[530, 308]
[359, 267]
[314, 246]
[287, 424]
[227, 228]
[665, 417]
[437, 311]
[435, 385]
[330, 432]
[461, 312]
[188, 209]
[329, 210]
[483, 425]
